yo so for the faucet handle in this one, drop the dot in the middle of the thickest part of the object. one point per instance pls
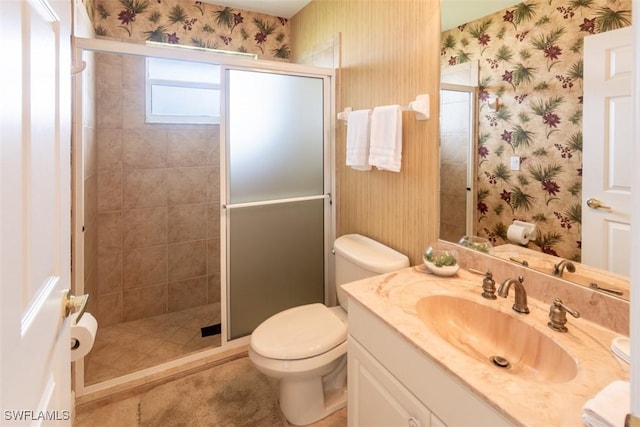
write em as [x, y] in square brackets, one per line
[558, 315]
[488, 286]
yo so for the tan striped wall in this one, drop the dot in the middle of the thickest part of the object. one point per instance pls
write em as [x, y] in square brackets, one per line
[389, 53]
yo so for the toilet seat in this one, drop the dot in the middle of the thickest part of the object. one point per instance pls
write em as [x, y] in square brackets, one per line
[299, 333]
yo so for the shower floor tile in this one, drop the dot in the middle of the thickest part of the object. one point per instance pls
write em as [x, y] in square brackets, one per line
[128, 347]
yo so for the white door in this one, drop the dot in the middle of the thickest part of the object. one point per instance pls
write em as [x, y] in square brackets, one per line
[607, 150]
[35, 386]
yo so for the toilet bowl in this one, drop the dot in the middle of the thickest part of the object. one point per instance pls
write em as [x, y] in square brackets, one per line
[305, 347]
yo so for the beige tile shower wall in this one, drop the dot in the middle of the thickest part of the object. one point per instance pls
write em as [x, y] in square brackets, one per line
[158, 203]
[389, 54]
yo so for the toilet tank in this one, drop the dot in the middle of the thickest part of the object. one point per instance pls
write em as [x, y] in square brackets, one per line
[359, 257]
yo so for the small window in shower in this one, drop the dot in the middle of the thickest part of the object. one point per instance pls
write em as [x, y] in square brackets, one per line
[182, 92]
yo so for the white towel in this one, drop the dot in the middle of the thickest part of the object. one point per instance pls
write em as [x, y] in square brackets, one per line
[609, 407]
[385, 151]
[358, 140]
[621, 347]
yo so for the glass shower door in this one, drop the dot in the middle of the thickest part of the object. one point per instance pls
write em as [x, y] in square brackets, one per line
[276, 201]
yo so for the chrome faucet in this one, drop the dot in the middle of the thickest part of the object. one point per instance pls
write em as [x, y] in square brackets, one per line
[520, 304]
[558, 268]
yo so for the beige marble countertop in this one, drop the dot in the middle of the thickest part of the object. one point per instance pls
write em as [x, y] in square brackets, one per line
[393, 297]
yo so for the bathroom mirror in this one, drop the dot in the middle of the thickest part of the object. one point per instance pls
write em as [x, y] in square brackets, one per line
[475, 43]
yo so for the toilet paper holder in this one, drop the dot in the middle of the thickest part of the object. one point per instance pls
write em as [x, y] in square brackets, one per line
[531, 228]
[526, 228]
[72, 304]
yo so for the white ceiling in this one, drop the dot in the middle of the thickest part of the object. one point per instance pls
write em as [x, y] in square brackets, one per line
[454, 12]
[457, 12]
[280, 8]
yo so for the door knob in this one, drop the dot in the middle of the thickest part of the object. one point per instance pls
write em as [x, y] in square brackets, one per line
[72, 303]
[597, 204]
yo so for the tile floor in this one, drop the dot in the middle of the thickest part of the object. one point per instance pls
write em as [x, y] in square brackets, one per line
[128, 347]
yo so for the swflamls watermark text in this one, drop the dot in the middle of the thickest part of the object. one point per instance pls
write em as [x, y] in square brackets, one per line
[29, 415]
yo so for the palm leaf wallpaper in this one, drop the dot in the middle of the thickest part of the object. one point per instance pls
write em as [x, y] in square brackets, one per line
[531, 58]
[193, 23]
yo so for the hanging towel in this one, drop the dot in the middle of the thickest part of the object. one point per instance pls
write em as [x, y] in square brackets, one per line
[609, 407]
[385, 151]
[358, 140]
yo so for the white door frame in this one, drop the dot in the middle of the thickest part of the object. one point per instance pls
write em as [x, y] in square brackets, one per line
[635, 229]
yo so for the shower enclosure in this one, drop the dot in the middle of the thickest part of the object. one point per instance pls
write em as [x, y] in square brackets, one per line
[188, 235]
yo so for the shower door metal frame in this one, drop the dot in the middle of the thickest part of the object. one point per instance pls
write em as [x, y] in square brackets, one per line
[328, 185]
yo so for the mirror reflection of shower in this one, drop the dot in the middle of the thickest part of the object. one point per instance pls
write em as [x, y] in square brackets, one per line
[458, 118]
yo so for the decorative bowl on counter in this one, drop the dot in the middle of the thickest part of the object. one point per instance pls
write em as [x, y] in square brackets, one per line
[440, 260]
[477, 243]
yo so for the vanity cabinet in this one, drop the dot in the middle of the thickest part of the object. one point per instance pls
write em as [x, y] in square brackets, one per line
[392, 383]
[377, 398]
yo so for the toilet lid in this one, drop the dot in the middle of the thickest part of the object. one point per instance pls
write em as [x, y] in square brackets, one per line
[298, 333]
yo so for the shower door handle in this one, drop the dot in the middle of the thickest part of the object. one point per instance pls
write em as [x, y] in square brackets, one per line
[275, 201]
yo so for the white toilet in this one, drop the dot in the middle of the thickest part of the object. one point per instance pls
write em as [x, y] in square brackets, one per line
[306, 347]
